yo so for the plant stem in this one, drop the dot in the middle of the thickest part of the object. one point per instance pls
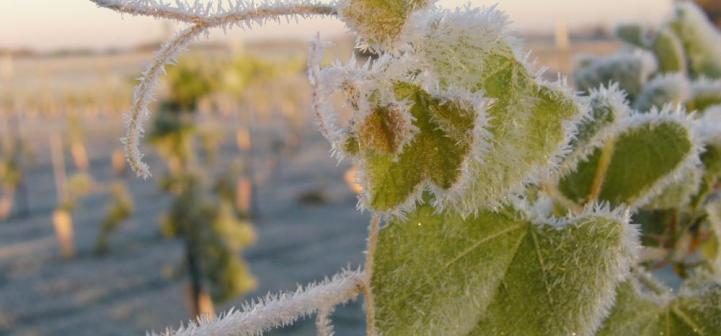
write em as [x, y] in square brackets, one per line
[196, 284]
[600, 177]
[557, 196]
[373, 230]
[650, 284]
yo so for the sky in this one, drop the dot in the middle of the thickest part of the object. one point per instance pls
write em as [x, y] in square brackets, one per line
[53, 24]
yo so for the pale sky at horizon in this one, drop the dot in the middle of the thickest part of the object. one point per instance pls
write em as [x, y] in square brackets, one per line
[51, 24]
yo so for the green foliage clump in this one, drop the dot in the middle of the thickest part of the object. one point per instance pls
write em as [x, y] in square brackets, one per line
[631, 33]
[189, 81]
[703, 95]
[244, 71]
[663, 90]
[460, 255]
[694, 311]
[630, 70]
[700, 39]
[78, 186]
[11, 156]
[120, 209]
[682, 60]
[214, 233]
[669, 51]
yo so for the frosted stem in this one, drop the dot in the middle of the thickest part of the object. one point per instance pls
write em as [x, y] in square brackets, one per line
[323, 322]
[315, 57]
[279, 310]
[143, 96]
[373, 231]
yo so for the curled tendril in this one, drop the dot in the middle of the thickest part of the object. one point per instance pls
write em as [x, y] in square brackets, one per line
[202, 18]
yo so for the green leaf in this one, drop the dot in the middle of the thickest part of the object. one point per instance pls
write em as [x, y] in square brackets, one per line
[527, 126]
[655, 225]
[378, 22]
[528, 120]
[434, 155]
[497, 273]
[694, 312]
[666, 89]
[704, 94]
[631, 167]
[679, 193]
[632, 34]
[607, 109]
[700, 39]
[711, 159]
[630, 70]
[189, 81]
[712, 247]
[669, 52]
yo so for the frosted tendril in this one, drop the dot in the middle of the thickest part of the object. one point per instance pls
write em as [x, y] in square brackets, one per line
[237, 13]
[283, 309]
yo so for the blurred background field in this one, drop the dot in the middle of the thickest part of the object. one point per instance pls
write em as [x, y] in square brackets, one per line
[304, 218]
[58, 106]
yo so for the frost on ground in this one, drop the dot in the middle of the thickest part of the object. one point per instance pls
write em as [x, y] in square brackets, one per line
[140, 285]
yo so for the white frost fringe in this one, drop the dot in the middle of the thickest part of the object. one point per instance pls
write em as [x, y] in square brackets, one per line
[203, 17]
[323, 322]
[281, 309]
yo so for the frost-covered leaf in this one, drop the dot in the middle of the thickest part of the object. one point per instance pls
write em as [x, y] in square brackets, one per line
[647, 153]
[386, 128]
[695, 311]
[709, 127]
[670, 89]
[654, 225]
[700, 39]
[712, 248]
[704, 94]
[482, 124]
[378, 22]
[631, 33]
[608, 109]
[630, 70]
[395, 175]
[527, 132]
[504, 273]
[679, 193]
[529, 120]
[669, 52]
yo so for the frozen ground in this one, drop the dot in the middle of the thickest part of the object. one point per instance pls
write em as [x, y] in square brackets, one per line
[140, 285]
